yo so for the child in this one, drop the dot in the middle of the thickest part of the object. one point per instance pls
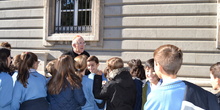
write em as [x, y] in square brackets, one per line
[50, 69]
[152, 80]
[215, 78]
[175, 94]
[30, 88]
[81, 66]
[6, 83]
[119, 91]
[92, 65]
[138, 75]
[64, 88]
[15, 65]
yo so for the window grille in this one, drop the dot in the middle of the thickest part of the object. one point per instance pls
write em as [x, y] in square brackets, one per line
[73, 16]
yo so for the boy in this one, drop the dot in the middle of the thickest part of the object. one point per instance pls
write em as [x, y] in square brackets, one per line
[92, 65]
[215, 78]
[175, 94]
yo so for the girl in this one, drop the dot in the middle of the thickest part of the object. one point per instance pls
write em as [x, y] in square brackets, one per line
[30, 87]
[138, 74]
[6, 83]
[64, 88]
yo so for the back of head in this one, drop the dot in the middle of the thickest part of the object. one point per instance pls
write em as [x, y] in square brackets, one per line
[169, 57]
[80, 63]
[137, 69]
[114, 63]
[16, 61]
[215, 70]
[4, 54]
[28, 60]
[93, 58]
[65, 75]
[5, 45]
[50, 68]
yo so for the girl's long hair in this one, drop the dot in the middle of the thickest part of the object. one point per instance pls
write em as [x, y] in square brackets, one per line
[65, 75]
[4, 54]
[28, 60]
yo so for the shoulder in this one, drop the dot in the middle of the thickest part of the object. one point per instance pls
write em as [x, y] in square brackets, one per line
[191, 86]
[86, 53]
[5, 76]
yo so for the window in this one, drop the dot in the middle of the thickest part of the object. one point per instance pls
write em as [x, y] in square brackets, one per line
[73, 16]
[64, 19]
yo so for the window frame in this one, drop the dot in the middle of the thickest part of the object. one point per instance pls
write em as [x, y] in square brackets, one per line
[49, 24]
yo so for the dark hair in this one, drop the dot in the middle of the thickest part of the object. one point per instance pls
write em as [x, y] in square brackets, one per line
[65, 75]
[6, 45]
[93, 58]
[4, 54]
[215, 70]
[137, 69]
[28, 60]
[150, 63]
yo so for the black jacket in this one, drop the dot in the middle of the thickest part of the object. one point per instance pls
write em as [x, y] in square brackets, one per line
[120, 92]
[196, 97]
[73, 54]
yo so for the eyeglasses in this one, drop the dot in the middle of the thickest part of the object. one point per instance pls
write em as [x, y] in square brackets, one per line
[80, 43]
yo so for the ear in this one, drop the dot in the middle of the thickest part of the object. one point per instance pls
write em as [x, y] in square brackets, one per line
[74, 45]
[218, 81]
[160, 68]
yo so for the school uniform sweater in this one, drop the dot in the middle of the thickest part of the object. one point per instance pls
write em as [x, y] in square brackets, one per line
[36, 88]
[180, 95]
[87, 85]
[6, 88]
[168, 96]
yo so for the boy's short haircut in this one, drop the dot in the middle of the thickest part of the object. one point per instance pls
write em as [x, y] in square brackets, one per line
[115, 63]
[150, 63]
[93, 58]
[215, 70]
[169, 57]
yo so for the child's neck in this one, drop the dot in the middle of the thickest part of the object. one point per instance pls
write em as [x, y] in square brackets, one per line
[168, 76]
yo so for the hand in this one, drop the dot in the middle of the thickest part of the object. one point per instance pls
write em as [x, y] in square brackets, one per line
[99, 72]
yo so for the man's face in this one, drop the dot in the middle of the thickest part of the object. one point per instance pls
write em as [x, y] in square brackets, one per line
[79, 45]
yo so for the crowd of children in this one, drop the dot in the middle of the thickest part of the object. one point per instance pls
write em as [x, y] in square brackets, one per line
[76, 83]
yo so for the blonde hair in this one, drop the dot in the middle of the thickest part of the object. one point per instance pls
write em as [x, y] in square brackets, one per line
[80, 63]
[169, 57]
[114, 63]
